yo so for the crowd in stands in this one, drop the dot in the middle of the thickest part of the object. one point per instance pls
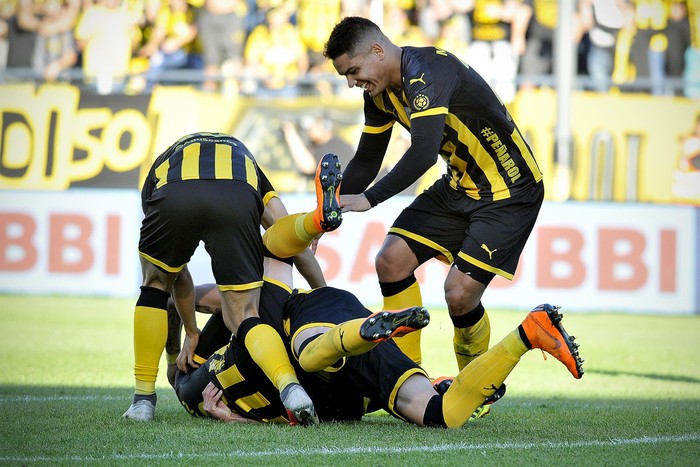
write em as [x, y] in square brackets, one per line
[275, 47]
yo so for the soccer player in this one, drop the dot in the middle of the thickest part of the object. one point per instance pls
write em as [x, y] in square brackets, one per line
[345, 355]
[478, 216]
[207, 187]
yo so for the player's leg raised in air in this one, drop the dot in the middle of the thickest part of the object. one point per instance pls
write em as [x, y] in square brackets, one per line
[291, 234]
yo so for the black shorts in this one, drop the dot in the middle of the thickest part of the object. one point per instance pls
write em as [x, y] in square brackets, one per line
[377, 374]
[224, 214]
[481, 238]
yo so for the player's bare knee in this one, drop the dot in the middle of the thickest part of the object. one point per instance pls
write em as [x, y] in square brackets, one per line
[385, 267]
[462, 294]
[395, 260]
[460, 300]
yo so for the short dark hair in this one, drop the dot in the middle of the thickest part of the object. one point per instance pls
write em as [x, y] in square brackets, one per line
[349, 36]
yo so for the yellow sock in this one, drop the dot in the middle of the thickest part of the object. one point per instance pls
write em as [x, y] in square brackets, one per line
[471, 342]
[480, 379]
[268, 351]
[341, 341]
[410, 343]
[290, 235]
[310, 225]
[150, 334]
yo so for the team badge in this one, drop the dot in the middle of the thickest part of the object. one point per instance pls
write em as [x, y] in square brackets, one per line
[421, 102]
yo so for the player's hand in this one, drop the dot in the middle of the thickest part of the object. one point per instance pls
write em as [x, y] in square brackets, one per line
[213, 404]
[186, 355]
[354, 203]
[215, 407]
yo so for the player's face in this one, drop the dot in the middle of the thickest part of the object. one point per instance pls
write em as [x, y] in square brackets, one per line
[364, 70]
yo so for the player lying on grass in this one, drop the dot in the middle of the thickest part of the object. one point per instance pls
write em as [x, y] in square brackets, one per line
[347, 356]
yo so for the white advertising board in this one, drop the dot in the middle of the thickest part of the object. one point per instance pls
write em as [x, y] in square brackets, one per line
[584, 256]
[80, 241]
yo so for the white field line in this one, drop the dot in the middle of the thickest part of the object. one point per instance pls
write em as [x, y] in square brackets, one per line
[367, 450]
[238, 454]
[6, 399]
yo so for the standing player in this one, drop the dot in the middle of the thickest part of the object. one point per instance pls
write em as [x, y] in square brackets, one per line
[478, 216]
[207, 187]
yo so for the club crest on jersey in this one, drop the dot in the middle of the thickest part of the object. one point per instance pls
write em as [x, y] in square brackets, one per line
[421, 102]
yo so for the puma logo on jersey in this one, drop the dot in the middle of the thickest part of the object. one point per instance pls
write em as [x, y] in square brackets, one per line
[417, 80]
[490, 252]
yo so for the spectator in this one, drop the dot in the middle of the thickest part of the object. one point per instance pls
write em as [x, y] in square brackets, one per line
[315, 20]
[690, 150]
[686, 184]
[603, 19]
[490, 52]
[319, 139]
[678, 33]
[453, 37]
[145, 13]
[275, 55]
[356, 8]
[21, 38]
[432, 15]
[691, 70]
[104, 34]
[54, 49]
[222, 31]
[7, 11]
[170, 41]
[534, 28]
[650, 43]
[30, 22]
[400, 29]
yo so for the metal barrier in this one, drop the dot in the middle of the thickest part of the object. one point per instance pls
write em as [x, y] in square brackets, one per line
[306, 84]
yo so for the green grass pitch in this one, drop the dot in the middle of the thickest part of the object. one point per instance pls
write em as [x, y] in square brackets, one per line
[67, 379]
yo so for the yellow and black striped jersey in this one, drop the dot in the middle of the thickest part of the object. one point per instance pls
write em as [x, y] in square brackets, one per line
[246, 389]
[451, 111]
[207, 156]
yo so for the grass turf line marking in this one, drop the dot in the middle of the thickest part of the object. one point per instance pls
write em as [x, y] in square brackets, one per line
[370, 450]
[56, 398]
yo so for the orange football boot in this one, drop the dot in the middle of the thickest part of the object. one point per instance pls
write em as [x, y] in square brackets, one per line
[328, 215]
[544, 331]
